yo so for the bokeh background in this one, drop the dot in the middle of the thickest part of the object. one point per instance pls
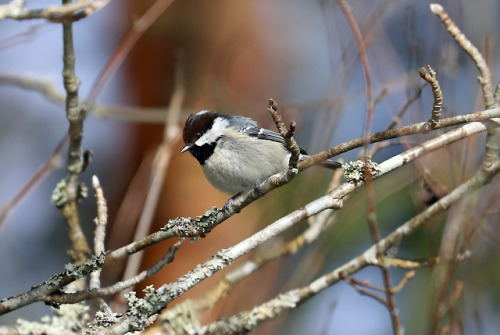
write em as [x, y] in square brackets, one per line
[235, 55]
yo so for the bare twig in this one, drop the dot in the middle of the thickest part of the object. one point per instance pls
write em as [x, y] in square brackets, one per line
[69, 298]
[417, 264]
[286, 134]
[485, 80]
[396, 120]
[409, 275]
[71, 190]
[438, 95]
[357, 285]
[100, 230]
[446, 307]
[472, 51]
[370, 192]
[67, 12]
[416, 128]
[367, 284]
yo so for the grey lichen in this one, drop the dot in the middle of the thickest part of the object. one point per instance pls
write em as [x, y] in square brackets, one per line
[189, 227]
[101, 321]
[355, 171]
[181, 319]
[244, 322]
[59, 196]
[178, 223]
[140, 309]
[67, 319]
[77, 271]
[207, 220]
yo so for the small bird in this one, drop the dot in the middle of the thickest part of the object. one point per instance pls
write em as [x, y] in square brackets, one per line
[234, 152]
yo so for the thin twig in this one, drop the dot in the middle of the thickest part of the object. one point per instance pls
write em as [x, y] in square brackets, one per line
[485, 80]
[285, 133]
[416, 128]
[472, 51]
[100, 230]
[436, 91]
[396, 120]
[418, 264]
[67, 12]
[68, 298]
[356, 284]
[370, 192]
[79, 248]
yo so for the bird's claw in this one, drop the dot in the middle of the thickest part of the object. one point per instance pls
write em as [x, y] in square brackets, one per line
[257, 190]
[229, 204]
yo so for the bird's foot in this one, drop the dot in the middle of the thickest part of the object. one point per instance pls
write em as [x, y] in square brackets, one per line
[257, 190]
[229, 204]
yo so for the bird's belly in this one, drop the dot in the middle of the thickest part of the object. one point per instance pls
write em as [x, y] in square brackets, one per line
[239, 173]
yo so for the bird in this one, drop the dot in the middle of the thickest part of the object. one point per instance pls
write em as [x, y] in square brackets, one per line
[235, 153]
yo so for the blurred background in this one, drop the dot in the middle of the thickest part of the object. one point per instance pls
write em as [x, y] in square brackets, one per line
[234, 56]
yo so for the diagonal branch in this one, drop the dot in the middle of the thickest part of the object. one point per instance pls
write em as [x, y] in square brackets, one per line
[472, 51]
[247, 321]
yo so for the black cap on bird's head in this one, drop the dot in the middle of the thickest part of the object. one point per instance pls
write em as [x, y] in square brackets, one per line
[196, 126]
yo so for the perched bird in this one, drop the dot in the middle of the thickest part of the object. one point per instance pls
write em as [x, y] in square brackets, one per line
[234, 152]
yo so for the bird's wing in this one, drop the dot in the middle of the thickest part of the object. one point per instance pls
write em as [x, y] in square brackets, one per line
[266, 134]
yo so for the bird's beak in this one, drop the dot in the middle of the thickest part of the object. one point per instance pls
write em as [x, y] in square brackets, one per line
[186, 148]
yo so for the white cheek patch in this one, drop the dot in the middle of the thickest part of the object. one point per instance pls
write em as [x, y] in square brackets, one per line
[218, 129]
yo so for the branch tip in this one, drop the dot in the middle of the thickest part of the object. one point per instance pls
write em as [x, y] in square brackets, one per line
[436, 8]
[95, 182]
[273, 104]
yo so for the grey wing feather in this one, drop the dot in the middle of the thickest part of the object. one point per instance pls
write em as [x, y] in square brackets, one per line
[265, 134]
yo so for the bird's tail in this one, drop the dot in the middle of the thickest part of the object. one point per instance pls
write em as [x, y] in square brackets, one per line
[330, 164]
